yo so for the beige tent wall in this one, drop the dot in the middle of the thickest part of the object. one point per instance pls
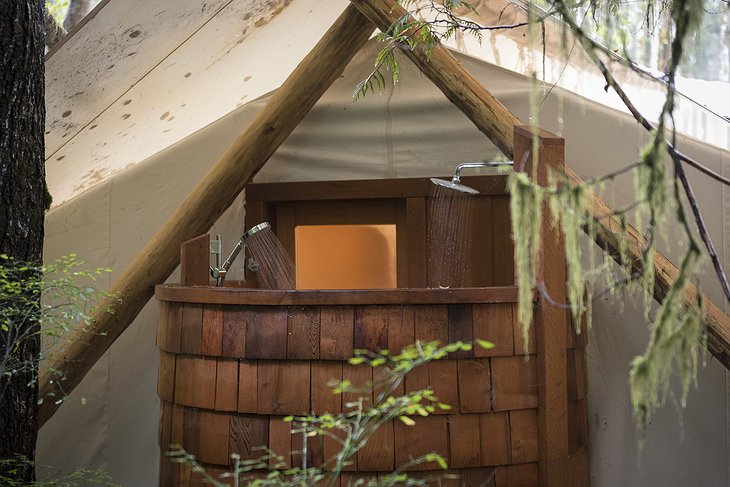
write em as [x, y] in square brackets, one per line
[410, 130]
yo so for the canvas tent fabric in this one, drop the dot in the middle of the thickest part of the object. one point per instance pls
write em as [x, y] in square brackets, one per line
[409, 130]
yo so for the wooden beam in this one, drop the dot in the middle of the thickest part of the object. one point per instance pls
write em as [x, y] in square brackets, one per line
[496, 122]
[208, 200]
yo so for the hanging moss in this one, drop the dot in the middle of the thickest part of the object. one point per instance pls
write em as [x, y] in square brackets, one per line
[568, 207]
[675, 340]
[526, 210]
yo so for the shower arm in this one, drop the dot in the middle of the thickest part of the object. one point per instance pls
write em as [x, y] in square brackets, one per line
[469, 165]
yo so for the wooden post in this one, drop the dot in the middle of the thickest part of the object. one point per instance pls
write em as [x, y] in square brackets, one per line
[496, 122]
[551, 322]
[194, 261]
[208, 200]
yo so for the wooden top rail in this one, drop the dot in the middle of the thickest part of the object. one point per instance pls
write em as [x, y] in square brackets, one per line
[232, 295]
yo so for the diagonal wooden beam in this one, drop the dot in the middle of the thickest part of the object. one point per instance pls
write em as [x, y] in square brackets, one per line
[208, 200]
[496, 122]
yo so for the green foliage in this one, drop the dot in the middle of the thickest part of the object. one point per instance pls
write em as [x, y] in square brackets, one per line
[58, 9]
[67, 300]
[676, 336]
[351, 429]
[81, 477]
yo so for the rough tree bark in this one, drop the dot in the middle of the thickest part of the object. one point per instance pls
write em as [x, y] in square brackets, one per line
[22, 193]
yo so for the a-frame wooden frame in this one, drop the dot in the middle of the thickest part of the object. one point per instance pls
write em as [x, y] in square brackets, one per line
[287, 107]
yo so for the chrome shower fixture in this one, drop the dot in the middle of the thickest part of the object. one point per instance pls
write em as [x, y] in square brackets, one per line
[455, 182]
[219, 271]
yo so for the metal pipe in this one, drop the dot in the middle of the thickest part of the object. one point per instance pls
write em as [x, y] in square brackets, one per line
[467, 165]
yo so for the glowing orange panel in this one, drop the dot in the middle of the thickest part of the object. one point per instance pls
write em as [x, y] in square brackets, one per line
[345, 256]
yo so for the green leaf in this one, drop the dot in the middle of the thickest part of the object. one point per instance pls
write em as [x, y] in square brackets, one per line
[484, 344]
[406, 420]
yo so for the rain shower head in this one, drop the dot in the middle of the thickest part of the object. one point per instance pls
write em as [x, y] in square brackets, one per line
[455, 185]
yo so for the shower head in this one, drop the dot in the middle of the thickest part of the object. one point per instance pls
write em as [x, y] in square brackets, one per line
[455, 185]
[255, 229]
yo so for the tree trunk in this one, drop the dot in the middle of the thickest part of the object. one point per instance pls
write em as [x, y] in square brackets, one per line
[22, 197]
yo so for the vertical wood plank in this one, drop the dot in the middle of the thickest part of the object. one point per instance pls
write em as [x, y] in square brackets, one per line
[416, 241]
[578, 468]
[503, 273]
[332, 447]
[195, 261]
[214, 433]
[443, 379]
[464, 441]
[514, 382]
[247, 386]
[401, 328]
[303, 333]
[177, 431]
[164, 438]
[191, 431]
[212, 341]
[577, 425]
[166, 377]
[226, 385]
[174, 328]
[460, 328]
[429, 434]
[283, 387]
[192, 328]
[336, 332]
[432, 323]
[494, 431]
[482, 477]
[361, 377]
[163, 318]
[323, 400]
[247, 434]
[523, 435]
[266, 333]
[233, 340]
[494, 322]
[378, 453]
[371, 328]
[474, 385]
[522, 475]
[194, 384]
[280, 438]
[550, 321]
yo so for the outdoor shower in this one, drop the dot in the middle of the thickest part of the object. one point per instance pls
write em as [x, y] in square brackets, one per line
[455, 182]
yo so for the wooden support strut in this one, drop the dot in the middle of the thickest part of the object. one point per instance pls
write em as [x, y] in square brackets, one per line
[207, 201]
[497, 122]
